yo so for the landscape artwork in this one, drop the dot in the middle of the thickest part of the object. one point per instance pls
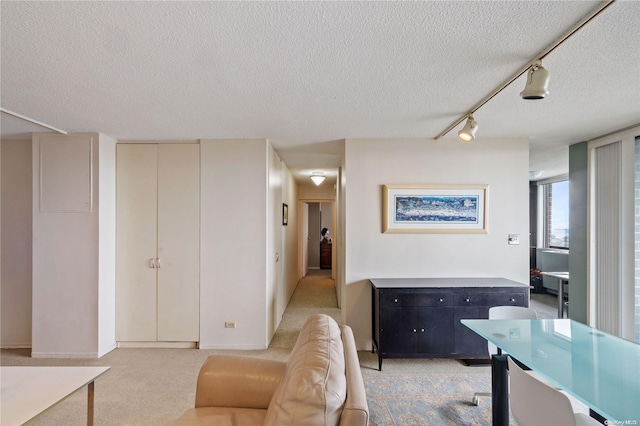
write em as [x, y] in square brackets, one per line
[434, 208]
[440, 208]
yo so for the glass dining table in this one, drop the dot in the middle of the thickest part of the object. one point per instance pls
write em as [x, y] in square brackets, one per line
[598, 369]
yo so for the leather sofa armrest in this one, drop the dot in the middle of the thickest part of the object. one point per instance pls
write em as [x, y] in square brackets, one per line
[235, 381]
[355, 410]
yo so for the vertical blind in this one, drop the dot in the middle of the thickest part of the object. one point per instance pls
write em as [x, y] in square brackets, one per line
[608, 282]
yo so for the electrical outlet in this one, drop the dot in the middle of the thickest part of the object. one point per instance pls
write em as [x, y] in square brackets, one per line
[229, 324]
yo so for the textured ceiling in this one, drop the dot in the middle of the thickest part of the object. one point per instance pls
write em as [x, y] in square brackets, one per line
[307, 74]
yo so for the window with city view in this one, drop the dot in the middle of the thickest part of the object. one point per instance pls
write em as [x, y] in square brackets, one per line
[556, 214]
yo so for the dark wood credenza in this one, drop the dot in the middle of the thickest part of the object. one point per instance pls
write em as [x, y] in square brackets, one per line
[420, 317]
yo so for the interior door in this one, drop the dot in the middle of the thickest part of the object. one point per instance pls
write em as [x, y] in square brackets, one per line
[178, 242]
[136, 206]
[313, 238]
[304, 215]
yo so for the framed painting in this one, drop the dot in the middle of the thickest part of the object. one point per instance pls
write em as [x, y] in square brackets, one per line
[285, 214]
[443, 209]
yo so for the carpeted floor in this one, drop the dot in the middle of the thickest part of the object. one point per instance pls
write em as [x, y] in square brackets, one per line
[154, 386]
[411, 392]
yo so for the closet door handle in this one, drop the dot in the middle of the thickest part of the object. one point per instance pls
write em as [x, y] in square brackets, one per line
[152, 263]
[158, 265]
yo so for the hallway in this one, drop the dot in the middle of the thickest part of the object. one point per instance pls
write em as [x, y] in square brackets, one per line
[315, 294]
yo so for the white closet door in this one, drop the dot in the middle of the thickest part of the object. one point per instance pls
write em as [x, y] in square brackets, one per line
[136, 233]
[178, 242]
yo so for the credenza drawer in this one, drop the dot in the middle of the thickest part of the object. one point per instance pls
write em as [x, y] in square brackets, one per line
[489, 299]
[417, 299]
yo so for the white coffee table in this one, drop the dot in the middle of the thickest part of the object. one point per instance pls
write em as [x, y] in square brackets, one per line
[28, 391]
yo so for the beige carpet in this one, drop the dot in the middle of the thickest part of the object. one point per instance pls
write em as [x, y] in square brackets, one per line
[155, 386]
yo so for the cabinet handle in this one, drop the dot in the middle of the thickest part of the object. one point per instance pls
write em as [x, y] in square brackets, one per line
[467, 300]
[422, 330]
[512, 300]
[441, 300]
[152, 263]
[395, 300]
[415, 331]
[158, 263]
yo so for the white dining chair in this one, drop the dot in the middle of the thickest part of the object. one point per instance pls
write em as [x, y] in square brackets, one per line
[534, 403]
[504, 312]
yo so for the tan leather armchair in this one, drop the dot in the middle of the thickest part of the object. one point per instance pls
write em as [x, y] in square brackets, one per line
[320, 384]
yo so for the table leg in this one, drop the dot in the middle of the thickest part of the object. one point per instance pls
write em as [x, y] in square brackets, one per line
[499, 390]
[90, 404]
[560, 298]
[597, 416]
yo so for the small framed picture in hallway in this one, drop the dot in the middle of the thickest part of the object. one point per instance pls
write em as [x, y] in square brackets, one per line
[285, 214]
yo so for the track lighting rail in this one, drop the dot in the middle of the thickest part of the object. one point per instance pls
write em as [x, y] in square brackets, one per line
[541, 55]
[31, 120]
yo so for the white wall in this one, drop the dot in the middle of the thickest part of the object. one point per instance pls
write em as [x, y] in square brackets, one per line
[107, 245]
[233, 251]
[67, 274]
[311, 191]
[370, 163]
[243, 186]
[289, 241]
[326, 211]
[74, 251]
[282, 241]
[16, 244]
[275, 255]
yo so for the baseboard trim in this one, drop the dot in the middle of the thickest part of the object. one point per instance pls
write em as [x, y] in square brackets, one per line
[64, 355]
[109, 349]
[233, 347]
[12, 345]
[158, 345]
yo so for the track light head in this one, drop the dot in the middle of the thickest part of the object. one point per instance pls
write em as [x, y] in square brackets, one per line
[537, 82]
[468, 132]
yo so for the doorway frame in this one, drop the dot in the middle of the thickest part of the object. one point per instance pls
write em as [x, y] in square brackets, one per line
[301, 241]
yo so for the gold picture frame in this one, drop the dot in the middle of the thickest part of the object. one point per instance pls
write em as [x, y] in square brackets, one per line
[438, 209]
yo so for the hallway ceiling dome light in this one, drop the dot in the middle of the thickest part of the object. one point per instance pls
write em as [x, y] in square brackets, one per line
[537, 82]
[468, 132]
[317, 177]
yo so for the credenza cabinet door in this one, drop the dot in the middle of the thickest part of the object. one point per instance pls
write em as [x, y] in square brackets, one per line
[399, 329]
[416, 330]
[469, 342]
[435, 328]
[157, 248]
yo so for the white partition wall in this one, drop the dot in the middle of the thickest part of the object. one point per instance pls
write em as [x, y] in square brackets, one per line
[248, 257]
[106, 244]
[73, 255]
[15, 279]
[233, 251]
